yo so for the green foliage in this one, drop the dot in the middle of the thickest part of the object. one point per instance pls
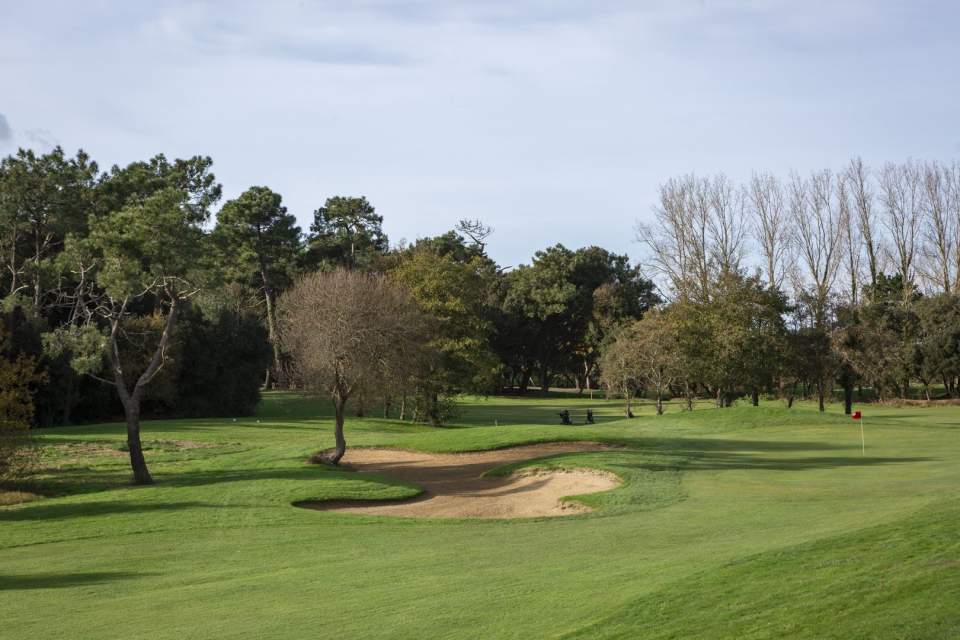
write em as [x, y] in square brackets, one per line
[146, 245]
[84, 346]
[940, 348]
[565, 303]
[346, 232]
[43, 199]
[221, 364]
[257, 240]
[18, 374]
[138, 181]
[454, 293]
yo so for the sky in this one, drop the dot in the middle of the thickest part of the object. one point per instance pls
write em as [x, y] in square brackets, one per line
[551, 121]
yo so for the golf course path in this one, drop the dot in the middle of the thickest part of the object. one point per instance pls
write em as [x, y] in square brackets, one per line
[454, 487]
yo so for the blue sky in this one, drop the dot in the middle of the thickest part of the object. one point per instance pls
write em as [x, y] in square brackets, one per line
[551, 121]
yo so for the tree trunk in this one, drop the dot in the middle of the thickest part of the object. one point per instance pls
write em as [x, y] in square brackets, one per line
[820, 393]
[524, 381]
[544, 379]
[271, 329]
[435, 410]
[36, 273]
[719, 399]
[339, 406]
[131, 399]
[131, 410]
[847, 399]
[755, 398]
[659, 401]
[361, 410]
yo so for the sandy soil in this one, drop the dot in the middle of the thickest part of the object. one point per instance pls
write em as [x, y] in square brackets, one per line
[453, 486]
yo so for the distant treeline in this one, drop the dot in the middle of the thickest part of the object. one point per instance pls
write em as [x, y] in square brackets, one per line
[845, 279]
[133, 292]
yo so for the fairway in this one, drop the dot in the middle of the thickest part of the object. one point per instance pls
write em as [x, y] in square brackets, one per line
[735, 523]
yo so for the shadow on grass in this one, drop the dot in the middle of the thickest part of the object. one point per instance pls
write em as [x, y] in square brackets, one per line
[33, 511]
[14, 582]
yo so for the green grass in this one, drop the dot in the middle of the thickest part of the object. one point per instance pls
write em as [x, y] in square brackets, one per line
[736, 523]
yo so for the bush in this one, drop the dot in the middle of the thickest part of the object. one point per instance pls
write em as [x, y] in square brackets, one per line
[17, 375]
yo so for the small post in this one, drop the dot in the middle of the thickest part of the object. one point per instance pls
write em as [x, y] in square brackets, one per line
[863, 443]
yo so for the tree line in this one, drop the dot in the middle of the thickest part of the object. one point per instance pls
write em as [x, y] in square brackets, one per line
[801, 285]
[133, 291]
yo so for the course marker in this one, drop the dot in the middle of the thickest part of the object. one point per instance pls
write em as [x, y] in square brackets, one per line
[863, 445]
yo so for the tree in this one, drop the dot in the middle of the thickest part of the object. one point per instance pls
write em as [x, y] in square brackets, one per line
[902, 193]
[346, 232]
[141, 255]
[655, 356]
[43, 198]
[771, 228]
[621, 368]
[940, 330]
[698, 236]
[137, 181]
[543, 294]
[941, 215]
[349, 332]
[454, 294]
[882, 346]
[567, 301]
[862, 194]
[260, 243]
[477, 232]
[18, 374]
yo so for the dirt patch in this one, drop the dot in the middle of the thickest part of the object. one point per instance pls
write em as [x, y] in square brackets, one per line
[15, 496]
[454, 486]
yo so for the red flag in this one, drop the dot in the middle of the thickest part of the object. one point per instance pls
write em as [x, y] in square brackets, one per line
[856, 415]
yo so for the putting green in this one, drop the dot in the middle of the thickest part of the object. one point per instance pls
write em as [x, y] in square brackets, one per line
[740, 523]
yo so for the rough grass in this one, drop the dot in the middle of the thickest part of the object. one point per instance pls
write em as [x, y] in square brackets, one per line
[736, 523]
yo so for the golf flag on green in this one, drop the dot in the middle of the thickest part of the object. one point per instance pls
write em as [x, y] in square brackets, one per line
[859, 418]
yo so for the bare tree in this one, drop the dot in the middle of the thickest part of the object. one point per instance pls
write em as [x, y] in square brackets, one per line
[726, 225]
[770, 226]
[677, 240]
[349, 332]
[817, 223]
[697, 236]
[953, 190]
[621, 369]
[476, 231]
[939, 235]
[860, 188]
[902, 193]
[852, 236]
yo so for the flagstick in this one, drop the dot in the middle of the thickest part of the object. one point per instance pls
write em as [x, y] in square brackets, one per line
[863, 444]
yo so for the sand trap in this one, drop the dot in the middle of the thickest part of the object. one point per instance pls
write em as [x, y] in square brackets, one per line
[453, 486]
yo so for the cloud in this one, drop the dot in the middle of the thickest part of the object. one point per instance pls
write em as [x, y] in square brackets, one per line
[6, 133]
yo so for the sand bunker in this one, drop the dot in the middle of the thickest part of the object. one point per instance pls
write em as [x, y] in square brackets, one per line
[453, 486]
